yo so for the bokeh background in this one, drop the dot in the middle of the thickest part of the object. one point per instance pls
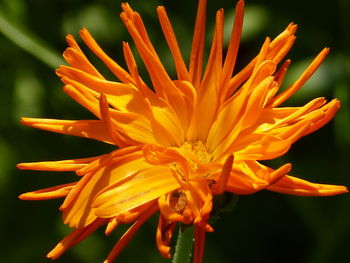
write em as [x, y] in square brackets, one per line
[264, 227]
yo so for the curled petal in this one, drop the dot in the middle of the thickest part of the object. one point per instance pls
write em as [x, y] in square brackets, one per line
[165, 231]
[169, 212]
[159, 155]
[329, 110]
[247, 178]
[250, 176]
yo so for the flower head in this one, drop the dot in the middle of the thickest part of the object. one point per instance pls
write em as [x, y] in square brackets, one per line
[178, 142]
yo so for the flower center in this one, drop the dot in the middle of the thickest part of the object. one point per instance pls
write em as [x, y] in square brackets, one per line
[198, 158]
[197, 150]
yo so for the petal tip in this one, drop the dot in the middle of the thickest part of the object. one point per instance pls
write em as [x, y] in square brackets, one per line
[22, 197]
[20, 166]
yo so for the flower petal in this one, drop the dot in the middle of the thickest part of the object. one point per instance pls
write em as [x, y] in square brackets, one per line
[122, 96]
[77, 208]
[279, 99]
[274, 47]
[76, 58]
[295, 186]
[196, 59]
[260, 147]
[169, 34]
[123, 241]
[232, 50]
[92, 129]
[247, 177]
[237, 114]
[54, 192]
[144, 186]
[118, 71]
[65, 165]
[161, 81]
[207, 101]
[165, 231]
[199, 242]
[74, 238]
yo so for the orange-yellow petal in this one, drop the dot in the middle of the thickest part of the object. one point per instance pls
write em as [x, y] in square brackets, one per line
[74, 238]
[196, 59]
[123, 241]
[279, 99]
[207, 101]
[110, 63]
[92, 129]
[232, 50]
[76, 58]
[54, 192]
[295, 186]
[165, 230]
[66, 165]
[77, 207]
[199, 241]
[247, 178]
[169, 34]
[144, 186]
[260, 147]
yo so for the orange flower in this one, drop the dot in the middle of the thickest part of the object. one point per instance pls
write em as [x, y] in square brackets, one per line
[183, 141]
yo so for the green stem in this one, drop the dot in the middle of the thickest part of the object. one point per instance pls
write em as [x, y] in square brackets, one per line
[184, 245]
[27, 41]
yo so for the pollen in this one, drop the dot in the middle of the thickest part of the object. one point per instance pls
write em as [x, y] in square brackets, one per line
[178, 200]
[197, 151]
[197, 156]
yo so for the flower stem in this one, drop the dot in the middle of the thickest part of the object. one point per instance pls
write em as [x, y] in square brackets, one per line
[28, 41]
[184, 245]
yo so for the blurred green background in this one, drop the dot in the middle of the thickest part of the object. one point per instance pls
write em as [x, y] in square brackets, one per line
[264, 227]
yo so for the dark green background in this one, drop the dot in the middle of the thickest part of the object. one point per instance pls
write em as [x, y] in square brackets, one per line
[264, 227]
